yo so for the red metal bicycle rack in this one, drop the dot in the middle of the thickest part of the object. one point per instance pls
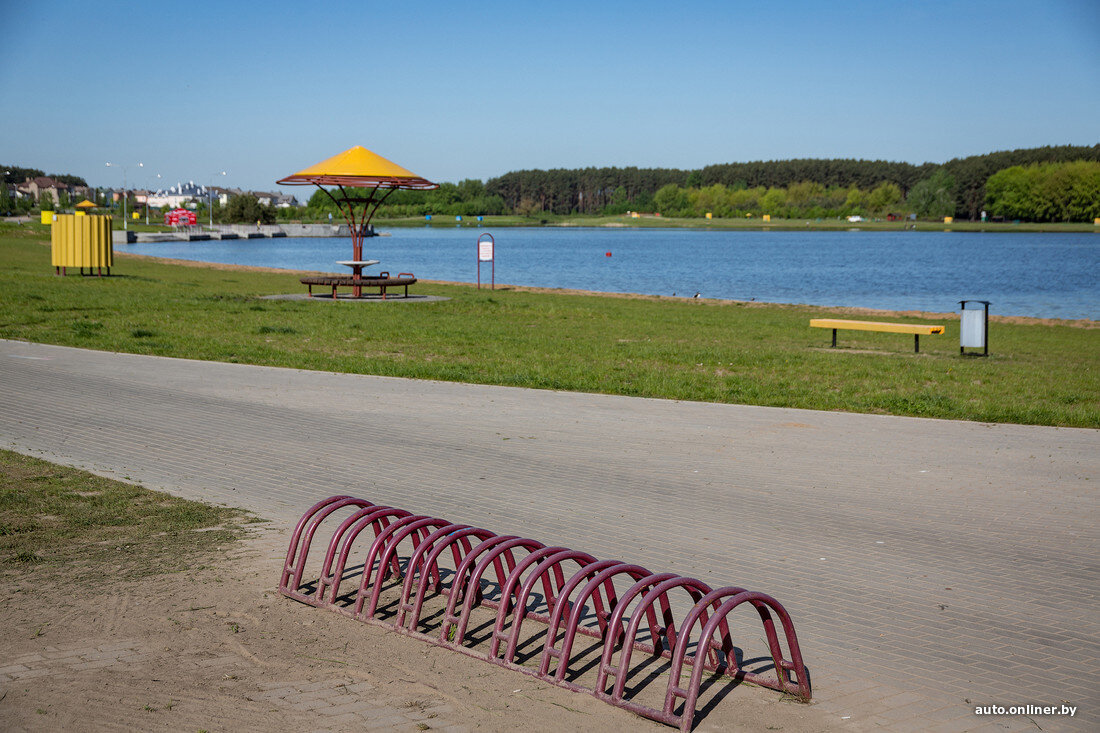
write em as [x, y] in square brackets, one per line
[571, 593]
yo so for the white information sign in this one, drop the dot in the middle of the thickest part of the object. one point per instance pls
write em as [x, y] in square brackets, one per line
[485, 250]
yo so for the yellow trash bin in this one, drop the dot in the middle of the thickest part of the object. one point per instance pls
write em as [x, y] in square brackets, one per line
[47, 217]
[82, 241]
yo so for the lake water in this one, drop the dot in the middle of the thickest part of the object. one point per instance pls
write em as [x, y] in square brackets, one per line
[1042, 275]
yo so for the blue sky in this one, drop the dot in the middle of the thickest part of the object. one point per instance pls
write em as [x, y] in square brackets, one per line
[473, 90]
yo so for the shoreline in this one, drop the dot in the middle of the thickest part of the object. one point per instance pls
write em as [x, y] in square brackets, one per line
[1084, 323]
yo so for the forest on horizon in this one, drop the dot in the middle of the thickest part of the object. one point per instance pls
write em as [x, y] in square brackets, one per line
[1047, 184]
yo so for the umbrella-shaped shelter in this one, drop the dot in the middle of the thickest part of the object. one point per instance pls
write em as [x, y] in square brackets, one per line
[358, 168]
[85, 205]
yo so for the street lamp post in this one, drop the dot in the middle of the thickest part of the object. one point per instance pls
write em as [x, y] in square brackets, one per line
[147, 202]
[125, 193]
[210, 198]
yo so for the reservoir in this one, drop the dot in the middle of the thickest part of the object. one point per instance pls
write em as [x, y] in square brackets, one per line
[1022, 274]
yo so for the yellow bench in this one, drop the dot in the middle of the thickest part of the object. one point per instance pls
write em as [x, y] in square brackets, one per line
[915, 329]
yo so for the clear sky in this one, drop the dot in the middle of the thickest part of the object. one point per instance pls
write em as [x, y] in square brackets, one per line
[455, 90]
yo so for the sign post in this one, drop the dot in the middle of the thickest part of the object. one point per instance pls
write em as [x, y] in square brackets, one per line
[485, 253]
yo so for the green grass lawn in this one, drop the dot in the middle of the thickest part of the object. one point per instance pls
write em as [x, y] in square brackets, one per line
[677, 349]
[52, 516]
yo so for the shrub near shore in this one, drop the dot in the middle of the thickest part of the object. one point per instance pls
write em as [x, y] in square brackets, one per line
[715, 351]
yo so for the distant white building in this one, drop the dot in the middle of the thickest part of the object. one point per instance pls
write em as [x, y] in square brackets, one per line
[178, 195]
[222, 195]
[278, 200]
[183, 193]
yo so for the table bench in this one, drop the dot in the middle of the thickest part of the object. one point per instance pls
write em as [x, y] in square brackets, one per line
[382, 281]
[915, 329]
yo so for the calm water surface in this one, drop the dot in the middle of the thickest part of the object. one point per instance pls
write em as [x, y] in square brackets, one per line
[1043, 275]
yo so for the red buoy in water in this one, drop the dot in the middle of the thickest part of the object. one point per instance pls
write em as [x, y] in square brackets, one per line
[606, 254]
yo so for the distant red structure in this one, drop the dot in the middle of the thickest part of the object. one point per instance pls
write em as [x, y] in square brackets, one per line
[180, 218]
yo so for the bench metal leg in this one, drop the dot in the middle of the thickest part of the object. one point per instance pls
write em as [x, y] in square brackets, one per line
[916, 343]
[834, 338]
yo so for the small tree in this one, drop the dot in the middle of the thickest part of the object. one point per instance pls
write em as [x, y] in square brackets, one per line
[934, 197]
[883, 197]
[246, 209]
[773, 202]
[671, 200]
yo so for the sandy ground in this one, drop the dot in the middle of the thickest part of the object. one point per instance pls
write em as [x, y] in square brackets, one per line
[217, 648]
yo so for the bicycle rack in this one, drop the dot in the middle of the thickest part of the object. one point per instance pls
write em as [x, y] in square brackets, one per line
[528, 576]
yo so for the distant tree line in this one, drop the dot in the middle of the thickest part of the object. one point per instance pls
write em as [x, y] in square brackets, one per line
[799, 188]
[15, 174]
[1054, 183]
[467, 198]
[1046, 191]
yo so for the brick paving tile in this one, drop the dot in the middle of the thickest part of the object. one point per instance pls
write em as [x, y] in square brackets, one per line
[347, 719]
[98, 664]
[921, 708]
[29, 658]
[958, 725]
[274, 685]
[322, 694]
[356, 706]
[373, 723]
[304, 707]
[359, 687]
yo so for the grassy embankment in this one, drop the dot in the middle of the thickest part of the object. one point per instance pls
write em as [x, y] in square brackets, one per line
[1038, 373]
[53, 516]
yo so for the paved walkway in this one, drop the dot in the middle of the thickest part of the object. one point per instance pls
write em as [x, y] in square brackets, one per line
[930, 566]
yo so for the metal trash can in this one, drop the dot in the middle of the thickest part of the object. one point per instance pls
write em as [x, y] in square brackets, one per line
[974, 328]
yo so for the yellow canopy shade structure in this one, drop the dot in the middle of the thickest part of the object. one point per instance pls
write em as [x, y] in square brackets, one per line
[85, 204]
[358, 168]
